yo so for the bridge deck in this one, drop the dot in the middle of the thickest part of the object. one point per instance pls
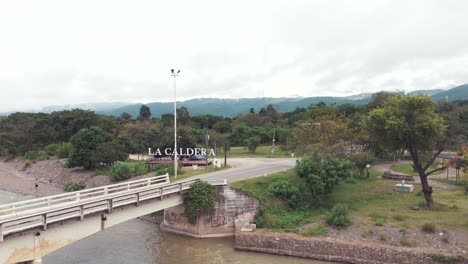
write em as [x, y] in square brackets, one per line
[40, 212]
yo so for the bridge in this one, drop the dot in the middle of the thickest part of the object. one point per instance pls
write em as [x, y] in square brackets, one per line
[34, 228]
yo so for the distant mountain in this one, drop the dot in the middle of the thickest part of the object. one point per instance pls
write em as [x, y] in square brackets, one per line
[426, 92]
[233, 107]
[455, 94]
[87, 106]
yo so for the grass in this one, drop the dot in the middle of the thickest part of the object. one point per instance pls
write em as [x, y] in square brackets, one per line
[262, 151]
[375, 195]
[450, 181]
[316, 231]
[407, 169]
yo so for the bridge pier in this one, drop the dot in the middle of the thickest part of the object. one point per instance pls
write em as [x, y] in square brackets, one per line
[231, 204]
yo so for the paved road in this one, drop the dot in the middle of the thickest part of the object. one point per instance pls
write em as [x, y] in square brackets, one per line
[243, 168]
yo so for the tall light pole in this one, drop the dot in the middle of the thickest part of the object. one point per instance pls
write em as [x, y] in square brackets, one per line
[174, 74]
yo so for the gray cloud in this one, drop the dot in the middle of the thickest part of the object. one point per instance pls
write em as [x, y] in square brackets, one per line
[52, 56]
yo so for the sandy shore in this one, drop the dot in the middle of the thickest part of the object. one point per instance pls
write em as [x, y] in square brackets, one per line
[14, 180]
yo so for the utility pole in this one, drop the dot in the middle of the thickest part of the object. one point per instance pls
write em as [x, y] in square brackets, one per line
[207, 136]
[175, 122]
[273, 145]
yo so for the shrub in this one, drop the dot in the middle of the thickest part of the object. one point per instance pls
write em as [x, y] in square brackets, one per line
[120, 172]
[285, 191]
[31, 155]
[277, 217]
[51, 149]
[73, 186]
[367, 234]
[428, 227]
[27, 163]
[42, 157]
[404, 241]
[380, 221]
[338, 216]
[399, 217]
[382, 236]
[140, 168]
[199, 200]
[64, 150]
[441, 258]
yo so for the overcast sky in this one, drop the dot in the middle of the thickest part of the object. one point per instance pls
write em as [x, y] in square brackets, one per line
[68, 52]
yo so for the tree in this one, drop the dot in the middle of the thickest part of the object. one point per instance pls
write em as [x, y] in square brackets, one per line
[183, 115]
[145, 113]
[84, 144]
[252, 143]
[125, 116]
[109, 152]
[409, 122]
[321, 175]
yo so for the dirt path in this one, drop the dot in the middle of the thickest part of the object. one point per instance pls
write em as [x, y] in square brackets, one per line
[386, 167]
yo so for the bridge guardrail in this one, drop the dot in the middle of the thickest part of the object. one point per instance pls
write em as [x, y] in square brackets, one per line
[13, 208]
[33, 215]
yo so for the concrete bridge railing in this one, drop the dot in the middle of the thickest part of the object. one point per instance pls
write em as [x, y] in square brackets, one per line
[40, 212]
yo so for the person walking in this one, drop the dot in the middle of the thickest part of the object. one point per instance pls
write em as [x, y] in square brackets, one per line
[36, 183]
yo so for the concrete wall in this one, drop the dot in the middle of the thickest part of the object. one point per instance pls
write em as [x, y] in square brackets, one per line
[230, 205]
[332, 250]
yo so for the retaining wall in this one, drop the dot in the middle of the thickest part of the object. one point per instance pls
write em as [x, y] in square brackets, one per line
[231, 204]
[333, 250]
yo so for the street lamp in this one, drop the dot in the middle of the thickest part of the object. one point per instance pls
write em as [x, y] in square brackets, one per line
[174, 74]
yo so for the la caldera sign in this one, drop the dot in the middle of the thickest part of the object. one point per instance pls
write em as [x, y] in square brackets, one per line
[181, 152]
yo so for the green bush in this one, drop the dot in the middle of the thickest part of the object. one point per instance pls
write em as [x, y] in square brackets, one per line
[277, 217]
[51, 149]
[120, 172]
[338, 216]
[140, 168]
[199, 200]
[286, 191]
[124, 170]
[380, 221]
[73, 186]
[64, 150]
[31, 155]
[428, 227]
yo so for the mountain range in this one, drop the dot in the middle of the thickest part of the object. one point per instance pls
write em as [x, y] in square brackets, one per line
[233, 107]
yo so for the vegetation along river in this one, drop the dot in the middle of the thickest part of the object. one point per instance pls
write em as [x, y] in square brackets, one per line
[138, 241]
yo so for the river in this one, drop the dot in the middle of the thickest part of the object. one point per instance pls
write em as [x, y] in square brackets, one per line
[138, 241]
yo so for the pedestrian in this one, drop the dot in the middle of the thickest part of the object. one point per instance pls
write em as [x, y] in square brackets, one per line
[50, 180]
[36, 183]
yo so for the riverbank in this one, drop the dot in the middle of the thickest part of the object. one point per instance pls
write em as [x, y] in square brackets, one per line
[337, 250]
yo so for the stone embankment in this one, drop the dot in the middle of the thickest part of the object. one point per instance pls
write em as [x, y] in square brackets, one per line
[337, 250]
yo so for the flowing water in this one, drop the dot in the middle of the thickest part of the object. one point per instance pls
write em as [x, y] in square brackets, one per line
[138, 241]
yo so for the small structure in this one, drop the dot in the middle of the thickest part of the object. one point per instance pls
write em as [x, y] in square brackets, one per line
[402, 187]
[397, 177]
